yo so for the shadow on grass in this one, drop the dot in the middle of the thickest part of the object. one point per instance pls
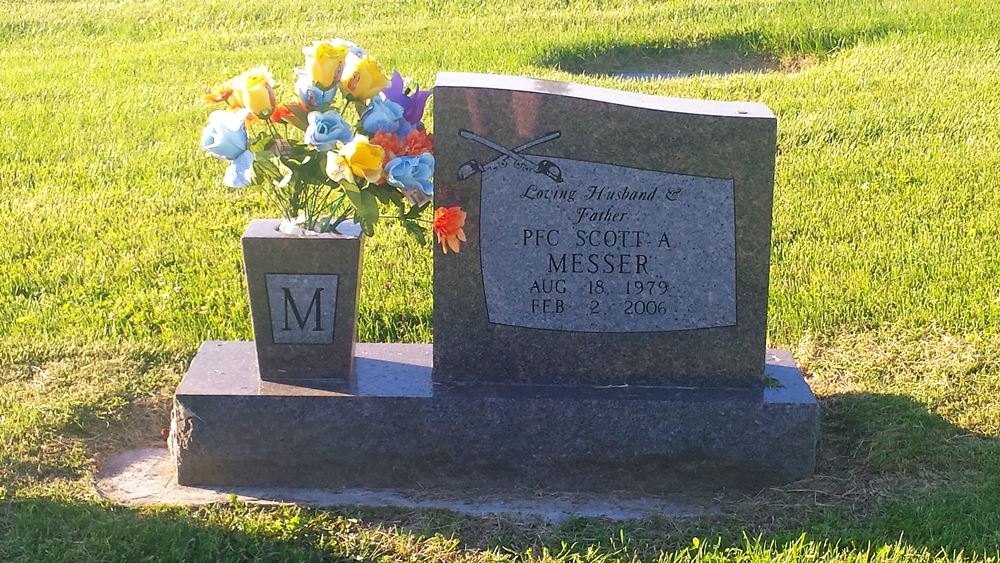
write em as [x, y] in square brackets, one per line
[89, 436]
[891, 473]
[92, 402]
[888, 468]
[52, 530]
[752, 52]
[894, 434]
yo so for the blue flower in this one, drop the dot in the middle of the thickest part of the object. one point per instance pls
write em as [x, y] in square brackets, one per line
[412, 172]
[239, 174]
[310, 93]
[384, 115]
[225, 136]
[326, 128]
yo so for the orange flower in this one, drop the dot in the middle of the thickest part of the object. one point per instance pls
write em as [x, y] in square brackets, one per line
[390, 143]
[218, 93]
[448, 223]
[418, 142]
[280, 113]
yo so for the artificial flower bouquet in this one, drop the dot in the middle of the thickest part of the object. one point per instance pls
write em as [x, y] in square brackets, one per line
[352, 141]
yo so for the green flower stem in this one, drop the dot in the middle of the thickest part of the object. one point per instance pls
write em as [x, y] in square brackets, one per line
[403, 219]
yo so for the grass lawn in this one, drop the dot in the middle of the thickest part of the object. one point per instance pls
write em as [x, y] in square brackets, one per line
[119, 254]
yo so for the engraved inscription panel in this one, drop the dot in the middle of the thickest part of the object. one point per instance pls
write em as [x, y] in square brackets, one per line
[302, 307]
[581, 246]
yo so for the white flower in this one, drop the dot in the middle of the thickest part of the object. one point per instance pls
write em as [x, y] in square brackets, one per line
[293, 227]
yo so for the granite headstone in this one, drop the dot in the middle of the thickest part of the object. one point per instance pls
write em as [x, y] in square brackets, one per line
[613, 238]
[602, 329]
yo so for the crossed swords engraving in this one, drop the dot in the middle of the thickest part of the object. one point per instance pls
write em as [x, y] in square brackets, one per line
[546, 167]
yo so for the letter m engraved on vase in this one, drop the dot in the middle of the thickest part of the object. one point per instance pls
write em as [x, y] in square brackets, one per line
[299, 319]
[302, 307]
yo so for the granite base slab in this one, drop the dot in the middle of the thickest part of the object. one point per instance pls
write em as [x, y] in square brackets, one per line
[392, 428]
[145, 477]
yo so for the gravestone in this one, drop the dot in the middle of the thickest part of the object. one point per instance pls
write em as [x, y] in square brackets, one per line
[629, 233]
[295, 301]
[603, 328]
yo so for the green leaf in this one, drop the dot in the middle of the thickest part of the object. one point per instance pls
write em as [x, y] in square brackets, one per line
[365, 209]
[416, 210]
[281, 165]
[283, 173]
[299, 117]
[370, 206]
[416, 230]
[314, 168]
[266, 169]
[259, 144]
[387, 194]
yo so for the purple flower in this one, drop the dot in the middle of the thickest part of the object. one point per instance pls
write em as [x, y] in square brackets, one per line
[413, 105]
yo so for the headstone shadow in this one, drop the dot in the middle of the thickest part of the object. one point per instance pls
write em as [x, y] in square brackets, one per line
[893, 433]
[734, 53]
[33, 529]
[851, 422]
[867, 438]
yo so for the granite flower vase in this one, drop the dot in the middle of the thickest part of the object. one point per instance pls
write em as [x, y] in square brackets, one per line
[303, 301]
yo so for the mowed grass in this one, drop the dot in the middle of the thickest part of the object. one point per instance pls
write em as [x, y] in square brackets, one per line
[119, 254]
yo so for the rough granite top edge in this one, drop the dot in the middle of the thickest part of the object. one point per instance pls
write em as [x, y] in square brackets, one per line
[751, 110]
[227, 368]
[268, 228]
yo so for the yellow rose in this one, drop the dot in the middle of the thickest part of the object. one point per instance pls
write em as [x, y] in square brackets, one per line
[253, 90]
[359, 158]
[325, 62]
[363, 77]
